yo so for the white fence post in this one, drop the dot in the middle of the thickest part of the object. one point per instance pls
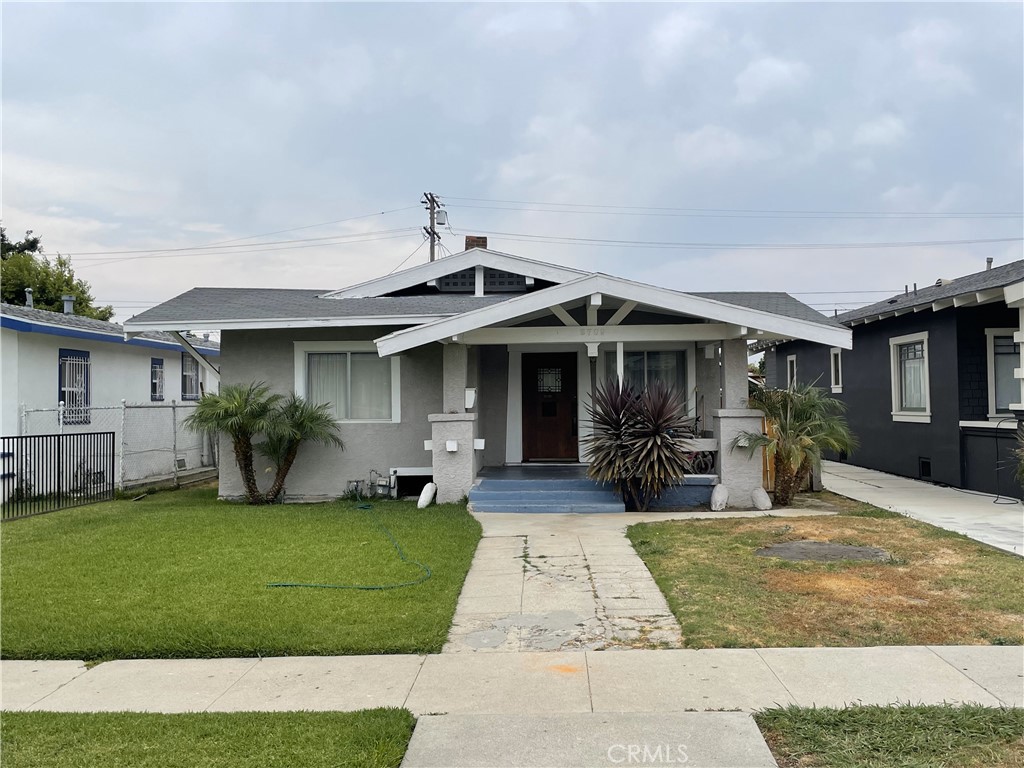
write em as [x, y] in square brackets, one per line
[23, 419]
[124, 438]
[60, 417]
[174, 430]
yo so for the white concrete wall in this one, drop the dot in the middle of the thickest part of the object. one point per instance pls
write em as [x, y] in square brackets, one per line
[8, 382]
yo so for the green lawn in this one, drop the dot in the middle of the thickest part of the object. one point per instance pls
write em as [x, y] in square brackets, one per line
[374, 738]
[180, 574]
[895, 737]
[940, 588]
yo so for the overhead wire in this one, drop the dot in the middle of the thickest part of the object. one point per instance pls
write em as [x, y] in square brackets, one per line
[771, 211]
[414, 251]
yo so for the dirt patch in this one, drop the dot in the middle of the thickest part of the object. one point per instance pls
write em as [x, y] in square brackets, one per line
[822, 551]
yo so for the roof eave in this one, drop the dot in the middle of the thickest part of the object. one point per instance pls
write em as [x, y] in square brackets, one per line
[134, 327]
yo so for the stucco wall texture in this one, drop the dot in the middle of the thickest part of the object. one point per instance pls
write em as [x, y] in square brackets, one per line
[269, 356]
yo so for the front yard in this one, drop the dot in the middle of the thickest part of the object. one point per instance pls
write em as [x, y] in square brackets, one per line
[375, 738]
[895, 737]
[939, 588]
[181, 574]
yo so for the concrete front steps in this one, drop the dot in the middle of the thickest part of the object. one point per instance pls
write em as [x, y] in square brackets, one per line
[575, 494]
[551, 495]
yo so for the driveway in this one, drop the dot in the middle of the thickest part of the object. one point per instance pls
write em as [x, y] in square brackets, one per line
[996, 521]
[560, 582]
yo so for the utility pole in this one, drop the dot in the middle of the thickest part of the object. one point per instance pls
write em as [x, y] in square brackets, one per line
[433, 206]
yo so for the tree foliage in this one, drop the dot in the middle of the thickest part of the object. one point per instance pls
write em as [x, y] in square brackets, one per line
[803, 423]
[25, 265]
[641, 440]
[246, 412]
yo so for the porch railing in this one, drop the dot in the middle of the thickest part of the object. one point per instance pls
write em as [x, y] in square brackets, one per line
[44, 473]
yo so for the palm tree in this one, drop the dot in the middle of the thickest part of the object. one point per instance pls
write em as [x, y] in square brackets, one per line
[803, 422]
[296, 421]
[243, 412]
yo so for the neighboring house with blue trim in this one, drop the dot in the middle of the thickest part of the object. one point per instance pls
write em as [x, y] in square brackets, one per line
[934, 382]
[49, 357]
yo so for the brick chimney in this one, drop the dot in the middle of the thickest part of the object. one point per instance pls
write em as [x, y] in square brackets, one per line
[475, 241]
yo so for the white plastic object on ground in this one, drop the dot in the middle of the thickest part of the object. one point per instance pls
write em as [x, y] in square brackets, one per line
[427, 496]
[719, 498]
[761, 499]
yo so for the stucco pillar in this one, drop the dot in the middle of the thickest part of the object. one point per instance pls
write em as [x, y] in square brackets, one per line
[455, 361]
[708, 384]
[455, 462]
[735, 384]
[738, 471]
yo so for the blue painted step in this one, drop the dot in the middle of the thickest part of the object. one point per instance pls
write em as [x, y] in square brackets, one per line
[543, 495]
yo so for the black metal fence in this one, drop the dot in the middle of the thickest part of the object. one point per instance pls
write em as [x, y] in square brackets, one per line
[44, 473]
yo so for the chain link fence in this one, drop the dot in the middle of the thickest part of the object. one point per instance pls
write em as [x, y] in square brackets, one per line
[151, 443]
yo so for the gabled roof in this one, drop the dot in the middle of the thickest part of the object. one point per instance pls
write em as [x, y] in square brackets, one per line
[821, 328]
[978, 288]
[457, 262]
[227, 308]
[31, 320]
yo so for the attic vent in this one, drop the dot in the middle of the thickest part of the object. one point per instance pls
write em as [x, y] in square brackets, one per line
[943, 281]
[496, 281]
[458, 282]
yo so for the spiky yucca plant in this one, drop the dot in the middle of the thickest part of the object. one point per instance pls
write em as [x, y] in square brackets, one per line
[803, 422]
[245, 411]
[640, 440]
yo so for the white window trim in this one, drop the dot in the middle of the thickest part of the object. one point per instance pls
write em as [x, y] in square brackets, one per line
[790, 370]
[303, 348]
[836, 355]
[919, 417]
[990, 334]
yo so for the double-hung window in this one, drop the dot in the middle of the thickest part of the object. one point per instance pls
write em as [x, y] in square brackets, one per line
[190, 386]
[642, 369]
[74, 385]
[156, 379]
[911, 398]
[352, 378]
[835, 356]
[1003, 358]
[790, 370]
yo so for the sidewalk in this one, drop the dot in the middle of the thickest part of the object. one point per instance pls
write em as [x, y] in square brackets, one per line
[972, 514]
[529, 683]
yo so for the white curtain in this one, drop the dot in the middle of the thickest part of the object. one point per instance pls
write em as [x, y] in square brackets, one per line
[912, 385]
[666, 367]
[327, 381]
[371, 386]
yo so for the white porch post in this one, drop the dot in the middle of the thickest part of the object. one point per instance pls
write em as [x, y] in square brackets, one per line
[1018, 372]
[738, 471]
[620, 362]
[453, 432]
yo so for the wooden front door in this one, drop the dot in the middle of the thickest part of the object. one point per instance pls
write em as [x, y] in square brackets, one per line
[549, 407]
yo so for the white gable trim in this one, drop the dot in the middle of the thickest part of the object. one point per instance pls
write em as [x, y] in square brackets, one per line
[684, 303]
[474, 257]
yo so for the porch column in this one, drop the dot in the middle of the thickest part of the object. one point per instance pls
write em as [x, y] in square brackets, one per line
[453, 432]
[738, 471]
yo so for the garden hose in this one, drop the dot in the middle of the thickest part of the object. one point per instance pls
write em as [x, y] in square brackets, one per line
[427, 573]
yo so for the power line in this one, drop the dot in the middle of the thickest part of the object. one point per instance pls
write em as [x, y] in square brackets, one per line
[710, 214]
[779, 211]
[603, 242]
[314, 226]
[414, 251]
[252, 250]
[83, 256]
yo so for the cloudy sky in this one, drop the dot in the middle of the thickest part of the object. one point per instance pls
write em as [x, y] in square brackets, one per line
[701, 129]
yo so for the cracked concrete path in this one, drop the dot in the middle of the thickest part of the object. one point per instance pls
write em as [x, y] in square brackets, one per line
[559, 582]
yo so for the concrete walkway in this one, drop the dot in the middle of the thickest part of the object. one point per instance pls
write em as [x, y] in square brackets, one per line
[556, 582]
[551, 709]
[972, 514]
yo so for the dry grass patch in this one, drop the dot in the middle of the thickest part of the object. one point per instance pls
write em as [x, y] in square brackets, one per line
[938, 588]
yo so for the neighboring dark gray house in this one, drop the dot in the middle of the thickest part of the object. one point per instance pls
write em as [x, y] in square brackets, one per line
[484, 359]
[931, 381]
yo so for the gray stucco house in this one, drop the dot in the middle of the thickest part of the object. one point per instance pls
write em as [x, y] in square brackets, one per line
[484, 359]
